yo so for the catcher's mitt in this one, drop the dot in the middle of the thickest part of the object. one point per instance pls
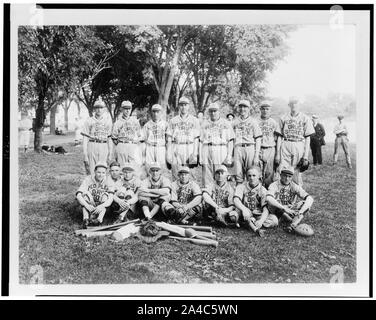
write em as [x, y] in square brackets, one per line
[304, 230]
[149, 228]
[303, 164]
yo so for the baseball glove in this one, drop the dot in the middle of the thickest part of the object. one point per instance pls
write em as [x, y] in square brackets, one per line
[304, 230]
[303, 164]
[149, 228]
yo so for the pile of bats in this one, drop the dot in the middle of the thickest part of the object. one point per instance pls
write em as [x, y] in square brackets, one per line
[201, 235]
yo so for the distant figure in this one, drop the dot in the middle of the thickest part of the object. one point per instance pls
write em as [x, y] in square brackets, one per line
[77, 131]
[341, 132]
[24, 127]
[317, 140]
[59, 132]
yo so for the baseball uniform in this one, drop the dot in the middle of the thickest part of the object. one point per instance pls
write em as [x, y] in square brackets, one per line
[269, 128]
[97, 147]
[155, 140]
[183, 133]
[184, 194]
[128, 134]
[215, 136]
[246, 132]
[255, 200]
[340, 130]
[294, 130]
[291, 195]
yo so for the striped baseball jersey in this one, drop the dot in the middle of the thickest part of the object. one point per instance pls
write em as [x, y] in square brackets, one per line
[296, 127]
[221, 195]
[216, 132]
[253, 198]
[98, 128]
[96, 188]
[287, 194]
[268, 127]
[155, 132]
[134, 184]
[184, 130]
[127, 130]
[184, 193]
[246, 130]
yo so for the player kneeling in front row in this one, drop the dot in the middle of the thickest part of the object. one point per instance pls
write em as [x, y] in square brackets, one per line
[250, 199]
[154, 193]
[287, 200]
[218, 198]
[94, 195]
[186, 198]
[126, 196]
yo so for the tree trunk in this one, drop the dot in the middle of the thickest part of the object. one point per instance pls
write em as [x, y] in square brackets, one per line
[66, 118]
[40, 117]
[78, 108]
[53, 119]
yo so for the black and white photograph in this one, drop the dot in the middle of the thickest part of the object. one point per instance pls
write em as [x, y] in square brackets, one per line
[178, 152]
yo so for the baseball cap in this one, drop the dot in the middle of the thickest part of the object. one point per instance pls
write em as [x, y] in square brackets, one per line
[265, 104]
[127, 167]
[230, 114]
[156, 107]
[126, 104]
[221, 168]
[183, 100]
[155, 165]
[99, 104]
[213, 106]
[183, 169]
[244, 103]
[288, 170]
[314, 116]
[99, 165]
[293, 100]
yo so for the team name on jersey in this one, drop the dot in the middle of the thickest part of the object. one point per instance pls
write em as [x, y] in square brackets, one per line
[156, 131]
[293, 129]
[184, 194]
[243, 129]
[267, 128]
[130, 185]
[97, 190]
[100, 130]
[221, 197]
[252, 200]
[286, 196]
[129, 130]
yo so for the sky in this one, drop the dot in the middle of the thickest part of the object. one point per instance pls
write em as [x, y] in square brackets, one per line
[321, 60]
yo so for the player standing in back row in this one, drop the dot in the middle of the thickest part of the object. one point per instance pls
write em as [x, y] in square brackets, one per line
[97, 146]
[269, 128]
[295, 129]
[247, 141]
[182, 138]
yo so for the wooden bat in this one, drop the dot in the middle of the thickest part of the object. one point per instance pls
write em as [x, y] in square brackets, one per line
[86, 135]
[211, 243]
[190, 233]
[197, 228]
[171, 228]
[97, 234]
[207, 235]
[112, 226]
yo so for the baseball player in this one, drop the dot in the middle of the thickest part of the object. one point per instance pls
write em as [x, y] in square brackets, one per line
[216, 147]
[97, 146]
[341, 132]
[182, 138]
[294, 130]
[287, 199]
[155, 192]
[95, 195]
[250, 199]
[247, 141]
[127, 135]
[114, 176]
[269, 129]
[218, 198]
[24, 127]
[126, 194]
[155, 138]
[186, 198]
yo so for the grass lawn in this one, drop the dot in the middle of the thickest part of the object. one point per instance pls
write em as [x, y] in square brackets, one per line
[49, 215]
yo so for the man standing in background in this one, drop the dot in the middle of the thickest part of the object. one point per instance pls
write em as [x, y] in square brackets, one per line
[341, 132]
[317, 140]
[24, 127]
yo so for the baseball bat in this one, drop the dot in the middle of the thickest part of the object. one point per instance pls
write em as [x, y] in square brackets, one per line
[190, 233]
[86, 135]
[198, 228]
[97, 234]
[171, 228]
[112, 226]
[198, 241]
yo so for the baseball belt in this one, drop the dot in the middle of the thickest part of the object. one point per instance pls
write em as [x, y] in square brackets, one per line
[127, 141]
[155, 144]
[244, 145]
[341, 135]
[183, 142]
[293, 140]
[97, 140]
[267, 147]
[210, 144]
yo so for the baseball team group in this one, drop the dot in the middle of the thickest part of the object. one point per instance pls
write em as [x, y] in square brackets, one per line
[265, 157]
